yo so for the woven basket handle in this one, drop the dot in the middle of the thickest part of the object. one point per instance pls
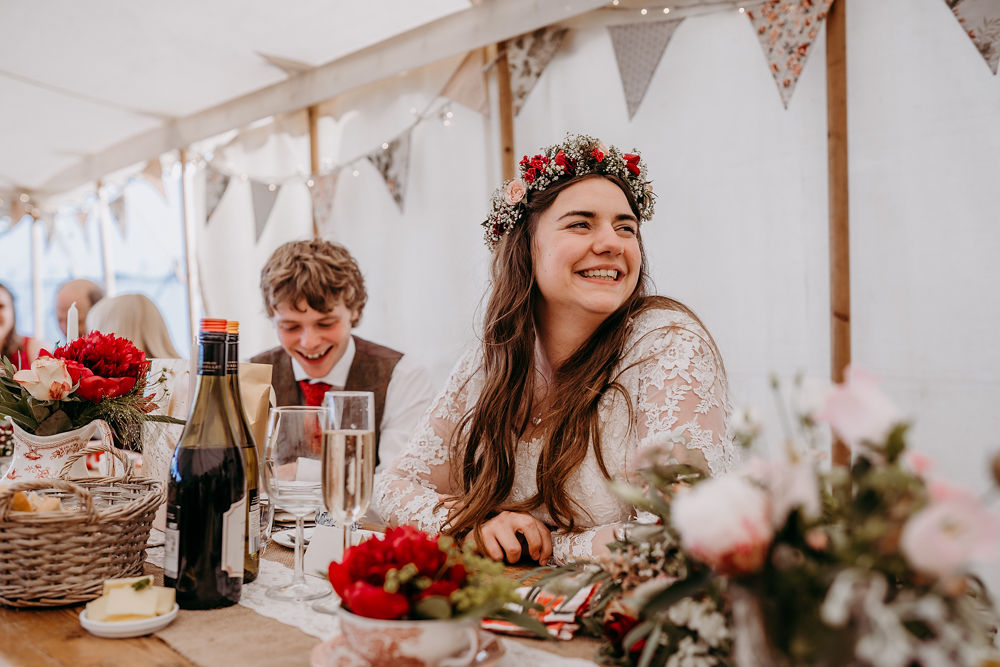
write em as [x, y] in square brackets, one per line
[128, 471]
[7, 492]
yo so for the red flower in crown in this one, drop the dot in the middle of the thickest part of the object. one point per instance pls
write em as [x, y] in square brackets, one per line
[530, 175]
[632, 162]
[569, 166]
[598, 155]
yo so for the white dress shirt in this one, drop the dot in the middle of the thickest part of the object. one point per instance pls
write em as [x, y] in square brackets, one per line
[406, 398]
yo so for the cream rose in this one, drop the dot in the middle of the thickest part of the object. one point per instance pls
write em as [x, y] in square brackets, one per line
[514, 191]
[858, 411]
[46, 380]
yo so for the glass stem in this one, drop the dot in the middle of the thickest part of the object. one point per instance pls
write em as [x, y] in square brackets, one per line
[342, 542]
[299, 576]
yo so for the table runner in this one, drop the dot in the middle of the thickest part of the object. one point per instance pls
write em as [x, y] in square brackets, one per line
[260, 630]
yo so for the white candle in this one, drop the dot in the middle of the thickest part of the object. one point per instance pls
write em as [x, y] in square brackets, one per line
[72, 323]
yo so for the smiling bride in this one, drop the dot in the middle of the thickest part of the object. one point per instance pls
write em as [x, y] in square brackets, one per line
[581, 373]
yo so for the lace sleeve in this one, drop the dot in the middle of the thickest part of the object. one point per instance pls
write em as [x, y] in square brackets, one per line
[409, 491]
[588, 544]
[682, 396]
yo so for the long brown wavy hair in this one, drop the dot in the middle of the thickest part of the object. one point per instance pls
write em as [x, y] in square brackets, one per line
[485, 441]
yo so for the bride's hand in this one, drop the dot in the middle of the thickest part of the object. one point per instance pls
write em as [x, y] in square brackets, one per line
[500, 537]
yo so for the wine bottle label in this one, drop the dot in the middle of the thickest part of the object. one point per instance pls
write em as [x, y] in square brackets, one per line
[171, 542]
[234, 525]
[253, 522]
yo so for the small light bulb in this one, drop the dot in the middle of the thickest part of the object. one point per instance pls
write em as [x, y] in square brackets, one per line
[310, 183]
[666, 10]
[385, 146]
[446, 122]
[271, 187]
[23, 197]
[742, 10]
[355, 172]
[615, 2]
[643, 12]
[449, 114]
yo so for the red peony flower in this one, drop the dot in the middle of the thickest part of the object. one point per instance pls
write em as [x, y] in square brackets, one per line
[364, 599]
[106, 366]
[616, 627]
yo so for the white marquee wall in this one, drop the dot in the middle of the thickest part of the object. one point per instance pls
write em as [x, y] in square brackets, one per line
[741, 227]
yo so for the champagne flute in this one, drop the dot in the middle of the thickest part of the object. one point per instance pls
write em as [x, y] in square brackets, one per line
[292, 469]
[348, 462]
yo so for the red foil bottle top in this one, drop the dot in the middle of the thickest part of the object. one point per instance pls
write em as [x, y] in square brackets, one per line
[213, 325]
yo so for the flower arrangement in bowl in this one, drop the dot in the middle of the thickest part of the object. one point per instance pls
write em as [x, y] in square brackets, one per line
[97, 382]
[807, 565]
[413, 595]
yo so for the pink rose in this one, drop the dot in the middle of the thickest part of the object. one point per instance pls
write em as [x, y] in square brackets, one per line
[789, 486]
[514, 191]
[725, 522]
[858, 411]
[47, 379]
[948, 534]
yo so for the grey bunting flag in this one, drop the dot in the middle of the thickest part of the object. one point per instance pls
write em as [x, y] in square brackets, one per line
[116, 208]
[264, 195]
[527, 57]
[638, 50]
[980, 20]
[392, 161]
[216, 183]
[153, 173]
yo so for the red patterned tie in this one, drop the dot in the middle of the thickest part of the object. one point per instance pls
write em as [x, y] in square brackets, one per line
[313, 392]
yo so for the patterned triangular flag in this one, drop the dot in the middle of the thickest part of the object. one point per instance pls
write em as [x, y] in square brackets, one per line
[322, 198]
[18, 209]
[392, 161]
[116, 207]
[527, 57]
[981, 21]
[82, 216]
[467, 84]
[787, 29]
[216, 183]
[48, 221]
[638, 50]
[153, 172]
[264, 195]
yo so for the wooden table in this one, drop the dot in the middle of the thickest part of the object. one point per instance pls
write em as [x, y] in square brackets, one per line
[51, 637]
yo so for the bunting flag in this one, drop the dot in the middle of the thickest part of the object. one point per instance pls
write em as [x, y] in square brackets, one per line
[18, 209]
[787, 29]
[392, 161]
[153, 173]
[287, 65]
[527, 57]
[264, 195]
[638, 50]
[116, 207]
[48, 222]
[980, 19]
[5, 206]
[82, 216]
[322, 198]
[216, 183]
[467, 85]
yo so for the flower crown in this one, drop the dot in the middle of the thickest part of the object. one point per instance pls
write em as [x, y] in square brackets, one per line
[577, 155]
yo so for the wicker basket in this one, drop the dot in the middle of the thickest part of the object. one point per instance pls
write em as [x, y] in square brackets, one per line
[60, 558]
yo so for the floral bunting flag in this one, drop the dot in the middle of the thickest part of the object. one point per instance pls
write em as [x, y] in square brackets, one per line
[638, 50]
[322, 198]
[527, 57]
[263, 202]
[787, 29]
[981, 21]
[467, 85]
[216, 183]
[392, 161]
[153, 172]
[116, 207]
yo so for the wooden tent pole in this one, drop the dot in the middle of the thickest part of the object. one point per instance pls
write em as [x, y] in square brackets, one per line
[505, 102]
[840, 259]
[190, 258]
[38, 320]
[104, 227]
[313, 115]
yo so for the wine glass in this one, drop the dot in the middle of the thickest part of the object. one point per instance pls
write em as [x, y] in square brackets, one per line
[348, 462]
[292, 468]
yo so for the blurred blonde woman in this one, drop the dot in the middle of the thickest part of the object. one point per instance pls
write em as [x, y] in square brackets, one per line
[135, 317]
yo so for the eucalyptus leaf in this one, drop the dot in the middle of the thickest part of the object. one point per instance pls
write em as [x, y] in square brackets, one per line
[40, 410]
[57, 422]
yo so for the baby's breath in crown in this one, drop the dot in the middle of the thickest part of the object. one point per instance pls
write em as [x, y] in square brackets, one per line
[577, 155]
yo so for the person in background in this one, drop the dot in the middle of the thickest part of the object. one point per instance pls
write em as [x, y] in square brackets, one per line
[82, 291]
[583, 375]
[21, 350]
[314, 293]
[135, 317]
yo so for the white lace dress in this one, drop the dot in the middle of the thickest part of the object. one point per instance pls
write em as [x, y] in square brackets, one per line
[677, 389]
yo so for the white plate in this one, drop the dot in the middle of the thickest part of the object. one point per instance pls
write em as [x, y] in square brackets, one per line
[286, 538]
[123, 629]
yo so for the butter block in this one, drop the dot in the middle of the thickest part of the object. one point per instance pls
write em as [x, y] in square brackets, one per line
[110, 584]
[126, 601]
[165, 599]
[97, 610]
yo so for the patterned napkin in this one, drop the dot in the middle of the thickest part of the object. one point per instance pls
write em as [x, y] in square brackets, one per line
[559, 614]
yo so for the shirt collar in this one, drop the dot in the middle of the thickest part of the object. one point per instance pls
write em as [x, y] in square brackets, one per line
[337, 377]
